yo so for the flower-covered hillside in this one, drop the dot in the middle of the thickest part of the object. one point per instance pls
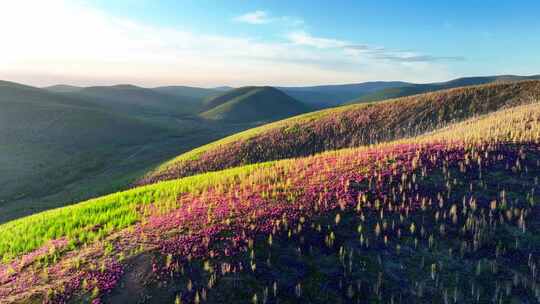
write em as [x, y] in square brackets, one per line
[348, 126]
[450, 217]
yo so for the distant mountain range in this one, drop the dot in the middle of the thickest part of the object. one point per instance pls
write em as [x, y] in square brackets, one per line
[325, 96]
[133, 99]
[412, 88]
[332, 95]
[316, 97]
[240, 105]
[187, 92]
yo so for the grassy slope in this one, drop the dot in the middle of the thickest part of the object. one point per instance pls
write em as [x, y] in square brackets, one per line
[45, 138]
[57, 149]
[519, 124]
[256, 104]
[347, 126]
[98, 218]
[219, 99]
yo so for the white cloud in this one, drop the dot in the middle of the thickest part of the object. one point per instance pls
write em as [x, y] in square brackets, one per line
[256, 17]
[263, 17]
[303, 38]
[61, 41]
[353, 49]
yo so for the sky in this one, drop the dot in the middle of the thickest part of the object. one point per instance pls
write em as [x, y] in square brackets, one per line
[287, 43]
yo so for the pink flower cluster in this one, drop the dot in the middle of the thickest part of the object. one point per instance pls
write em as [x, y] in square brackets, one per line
[224, 222]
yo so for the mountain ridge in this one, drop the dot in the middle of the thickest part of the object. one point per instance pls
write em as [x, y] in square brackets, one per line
[348, 126]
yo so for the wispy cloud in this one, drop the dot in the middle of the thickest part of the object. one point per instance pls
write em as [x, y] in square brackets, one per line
[420, 58]
[305, 39]
[61, 45]
[354, 49]
[263, 17]
[256, 17]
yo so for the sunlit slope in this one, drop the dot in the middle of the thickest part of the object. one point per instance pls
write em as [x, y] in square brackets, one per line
[224, 97]
[514, 125]
[64, 144]
[348, 126]
[244, 210]
[252, 104]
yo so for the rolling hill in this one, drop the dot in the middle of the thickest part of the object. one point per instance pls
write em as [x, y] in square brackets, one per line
[193, 93]
[449, 216]
[408, 89]
[63, 88]
[325, 96]
[347, 126]
[48, 140]
[123, 92]
[132, 99]
[63, 144]
[223, 97]
[59, 148]
[321, 96]
[252, 104]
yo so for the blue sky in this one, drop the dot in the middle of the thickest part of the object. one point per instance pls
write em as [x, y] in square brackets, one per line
[210, 43]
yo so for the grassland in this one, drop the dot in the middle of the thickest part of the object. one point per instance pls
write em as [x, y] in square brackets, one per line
[347, 126]
[57, 149]
[45, 137]
[450, 215]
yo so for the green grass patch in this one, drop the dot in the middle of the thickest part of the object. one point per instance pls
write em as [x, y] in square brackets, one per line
[96, 218]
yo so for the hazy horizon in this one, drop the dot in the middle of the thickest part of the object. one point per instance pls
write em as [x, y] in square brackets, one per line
[268, 84]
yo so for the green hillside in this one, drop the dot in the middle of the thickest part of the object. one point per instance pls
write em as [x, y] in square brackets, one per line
[49, 140]
[59, 148]
[251, 104]
[223, 97]
[63, 144]
[443, 217]
[348, 126]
